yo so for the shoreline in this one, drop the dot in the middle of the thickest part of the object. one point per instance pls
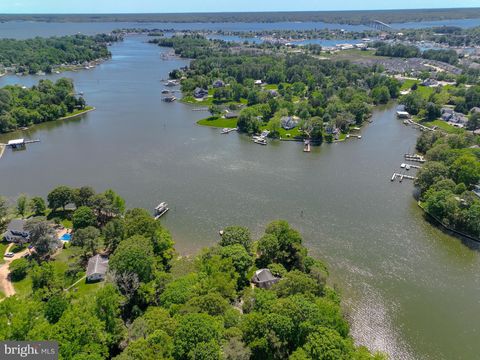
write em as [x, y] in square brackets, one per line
[77, 114]
[446, 228]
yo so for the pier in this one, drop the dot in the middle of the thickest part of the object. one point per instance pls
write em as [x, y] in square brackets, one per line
[18, 143]
[415, 157]
[228, 130]
[306, 146]
[401, 177]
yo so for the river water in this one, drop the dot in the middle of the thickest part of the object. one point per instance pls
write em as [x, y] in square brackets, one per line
[408, 289]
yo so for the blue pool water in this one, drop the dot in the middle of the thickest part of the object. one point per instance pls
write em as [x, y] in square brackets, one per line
[66, 237]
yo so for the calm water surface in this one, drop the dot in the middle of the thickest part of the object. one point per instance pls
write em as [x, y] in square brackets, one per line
[409, 289]
[29, 29]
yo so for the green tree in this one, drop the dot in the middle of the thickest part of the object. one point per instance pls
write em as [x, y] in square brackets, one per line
[83, 217]
[38, 206]
[22, 205]
[236, 235]
[380, 95]
[55, 307]
[61, 196]
[134, 256]
[42, 236]
[18, 269]
[114, 233]
[3, 213]
[466, 169]
[87, 238]
[193, 331]
[430, 173]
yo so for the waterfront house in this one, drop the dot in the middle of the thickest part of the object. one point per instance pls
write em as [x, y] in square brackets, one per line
[218, 84]
[429, 82]
[264, 279]
[258, 82]
[231, 115]
[288, 122]
[97, 268]
[200, 93]
[16, 233]
[273, 93]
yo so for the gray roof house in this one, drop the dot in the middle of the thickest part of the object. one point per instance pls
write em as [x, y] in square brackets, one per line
[288, 122]
[16, 233]
[97, 268]
[264, 278]
[200, 93]
[218, 84]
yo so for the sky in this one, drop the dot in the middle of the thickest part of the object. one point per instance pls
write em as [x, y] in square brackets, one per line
[169, 6]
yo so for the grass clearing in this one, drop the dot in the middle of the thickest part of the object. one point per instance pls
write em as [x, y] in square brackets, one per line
[215, 121]
[444, 126]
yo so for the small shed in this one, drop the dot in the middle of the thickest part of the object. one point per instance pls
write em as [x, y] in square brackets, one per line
[264, 279]
[97, 268]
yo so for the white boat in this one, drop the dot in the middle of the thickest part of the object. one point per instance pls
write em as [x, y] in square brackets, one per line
[407, 167]
[160, 210]
[261, 141]
[403, 166]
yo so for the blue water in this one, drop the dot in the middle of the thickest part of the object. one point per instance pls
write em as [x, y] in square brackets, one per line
[25, 30]
[66, 237]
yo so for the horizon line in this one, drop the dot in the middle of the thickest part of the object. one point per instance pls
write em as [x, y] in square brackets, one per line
[239, 12]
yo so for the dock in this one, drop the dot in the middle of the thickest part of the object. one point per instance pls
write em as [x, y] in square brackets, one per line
[160, 210]
[410, 165]
[200, 109]
[228, 130]
[306, 146]
[401, 177]
[19, 143]
[415, 157]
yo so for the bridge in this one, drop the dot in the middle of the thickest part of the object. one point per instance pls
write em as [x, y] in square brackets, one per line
[379, 25]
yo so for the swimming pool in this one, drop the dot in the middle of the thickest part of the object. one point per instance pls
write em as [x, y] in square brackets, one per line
[66, 237]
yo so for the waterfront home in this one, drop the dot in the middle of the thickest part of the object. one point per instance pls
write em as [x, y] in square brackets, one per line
[264, 279]
[288, 122]
[16, 233]
[200, 93]
[231, 115]
[97, 268]
[429, 82]
[273, 93]
[258, 82]
[218, 84]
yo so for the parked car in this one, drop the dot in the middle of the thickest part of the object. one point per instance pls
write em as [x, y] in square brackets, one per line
[9, 255]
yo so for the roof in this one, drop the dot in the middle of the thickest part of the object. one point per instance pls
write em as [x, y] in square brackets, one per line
[16, 225]
[97, 264]
[16, 142]
[263, 275]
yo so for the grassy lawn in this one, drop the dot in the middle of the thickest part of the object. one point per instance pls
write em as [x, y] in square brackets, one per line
[191, 100]
[17, 248]
[64, 217]
[408, 83]
[85, 289]
[2, 295]
[23, 288]
[444, 126]
[271, 87]
[219, 122]
[3, 248]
